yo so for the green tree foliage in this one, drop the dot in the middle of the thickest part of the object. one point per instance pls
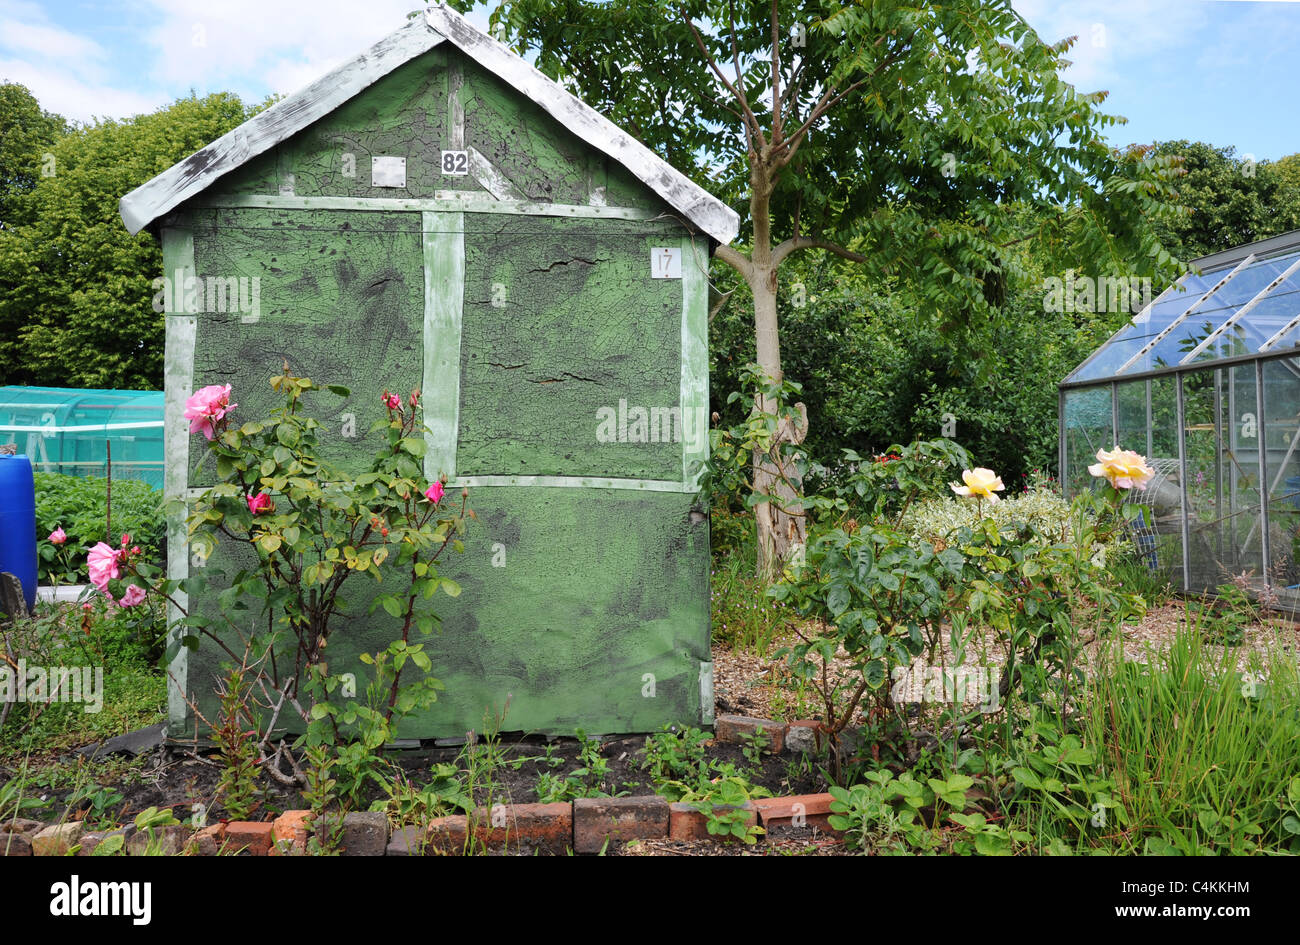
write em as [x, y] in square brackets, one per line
[876, 372]
[75, 288]
[1288, 168]
[27, 133]
[1232, 200]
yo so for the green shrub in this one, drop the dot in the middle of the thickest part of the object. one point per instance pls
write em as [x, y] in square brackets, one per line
[78, 505]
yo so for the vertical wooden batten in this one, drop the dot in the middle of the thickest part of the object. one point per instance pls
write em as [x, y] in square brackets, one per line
[178, 370]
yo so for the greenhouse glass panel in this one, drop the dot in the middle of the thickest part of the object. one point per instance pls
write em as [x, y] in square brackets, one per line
[1088, 428]
[1132, 338]
[1241, 470]
[1158, 527]
[74, 431]
[1206, 545]
[1134, 428]
[1282, 451]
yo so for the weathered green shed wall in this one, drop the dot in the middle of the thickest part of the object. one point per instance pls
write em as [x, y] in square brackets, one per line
[520, 299]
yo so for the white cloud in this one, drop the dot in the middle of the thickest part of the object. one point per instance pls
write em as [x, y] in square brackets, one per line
[1112, 33]
[50, 42]
[251, 47]
[67, 72]
[76, 98]
[280, 45]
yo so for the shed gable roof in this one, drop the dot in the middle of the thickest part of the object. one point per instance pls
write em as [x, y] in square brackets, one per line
[200, 170]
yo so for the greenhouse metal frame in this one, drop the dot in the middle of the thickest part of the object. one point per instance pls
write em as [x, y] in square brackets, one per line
[1205, 382]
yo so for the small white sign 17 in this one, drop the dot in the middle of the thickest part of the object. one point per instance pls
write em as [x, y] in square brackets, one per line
[666, 262]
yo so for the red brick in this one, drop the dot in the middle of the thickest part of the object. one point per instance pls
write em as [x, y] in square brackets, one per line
[289, 833]
[687, 823]
[546, 827]
[812, 809]
[598, 819]
[248, 838]
[532, 826]
[730, 728]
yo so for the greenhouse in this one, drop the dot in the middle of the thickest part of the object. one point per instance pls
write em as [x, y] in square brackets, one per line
[76, 432]
[1205, 382]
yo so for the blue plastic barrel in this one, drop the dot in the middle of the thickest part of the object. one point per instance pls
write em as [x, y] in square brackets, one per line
[18, 522]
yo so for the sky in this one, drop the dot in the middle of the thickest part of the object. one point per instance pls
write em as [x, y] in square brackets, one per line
[1221, 71]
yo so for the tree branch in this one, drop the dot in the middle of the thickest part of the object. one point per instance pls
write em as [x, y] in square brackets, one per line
[811, 242]
[736, 260]
[750, 122]
[776, 75]
[740, 73]
[827, 102]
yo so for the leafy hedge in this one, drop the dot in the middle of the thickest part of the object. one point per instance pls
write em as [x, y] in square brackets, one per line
[77, 505]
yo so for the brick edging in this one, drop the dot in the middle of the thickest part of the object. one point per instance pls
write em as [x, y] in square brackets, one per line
[585, 825]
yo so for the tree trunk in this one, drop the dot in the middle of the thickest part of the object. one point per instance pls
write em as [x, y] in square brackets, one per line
[780, 534]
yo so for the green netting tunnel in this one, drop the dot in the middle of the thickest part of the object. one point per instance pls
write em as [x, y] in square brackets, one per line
[71, 431]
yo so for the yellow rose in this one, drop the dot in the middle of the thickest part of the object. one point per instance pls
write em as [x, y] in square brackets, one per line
[1123, 469]
[981, 483]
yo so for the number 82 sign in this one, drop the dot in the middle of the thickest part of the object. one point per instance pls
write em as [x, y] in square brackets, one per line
[455, 163]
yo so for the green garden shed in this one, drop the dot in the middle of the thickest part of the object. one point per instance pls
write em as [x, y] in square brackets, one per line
[438, 214]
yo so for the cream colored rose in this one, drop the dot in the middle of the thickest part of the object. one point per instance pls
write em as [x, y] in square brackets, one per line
[1123, 469]
[981, 483]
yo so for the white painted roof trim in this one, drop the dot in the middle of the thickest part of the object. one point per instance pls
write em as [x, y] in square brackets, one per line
[262, 132]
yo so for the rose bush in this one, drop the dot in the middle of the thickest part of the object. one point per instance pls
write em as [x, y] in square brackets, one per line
[314, 533]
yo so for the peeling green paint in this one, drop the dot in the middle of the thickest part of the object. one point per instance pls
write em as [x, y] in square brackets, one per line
[563, 326]
[341, 299]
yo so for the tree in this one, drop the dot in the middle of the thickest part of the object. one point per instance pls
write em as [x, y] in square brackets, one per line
[27, 133]
[75, 288]
[1231, 200]
[1288, 168]
[901, 136]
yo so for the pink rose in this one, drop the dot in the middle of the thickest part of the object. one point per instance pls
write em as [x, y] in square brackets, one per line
[102, 563]
[434, 493]
[207, 408]
[415, 398]
[392, 401]
[259, 503]
[58, 536]
[133, 595]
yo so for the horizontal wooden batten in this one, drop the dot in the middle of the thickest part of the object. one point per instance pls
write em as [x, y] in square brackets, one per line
[444, 203]
[547, 482]
[572, 482]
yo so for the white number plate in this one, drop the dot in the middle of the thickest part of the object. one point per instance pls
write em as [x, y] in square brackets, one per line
[666, 262]
[455, 163]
